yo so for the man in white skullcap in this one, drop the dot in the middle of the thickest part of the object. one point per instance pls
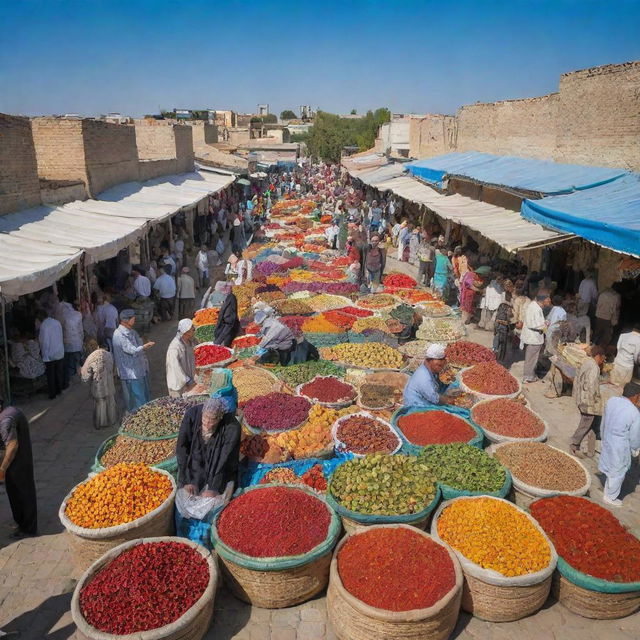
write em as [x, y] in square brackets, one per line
[424, 386]
[180, 362]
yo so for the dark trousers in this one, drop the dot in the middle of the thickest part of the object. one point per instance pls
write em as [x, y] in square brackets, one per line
[585, 428]
[72, 361]
[603, 332]
[185, 307]
[21, 490]
[425, 272]
[55, 377]
[165, 307]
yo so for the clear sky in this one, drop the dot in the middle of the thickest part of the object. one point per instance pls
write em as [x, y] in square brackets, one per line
[133, 57]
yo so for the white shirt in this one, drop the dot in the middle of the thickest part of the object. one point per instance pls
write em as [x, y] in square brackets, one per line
[202, 261]
[73, 331]
[556, 315]
[165, 285]
[628, 350]
[180, 364]
[494, 296]
[533, 319]
[588, 291]
[608, 307]
[142, 285]
[51, 342]
[107, 316]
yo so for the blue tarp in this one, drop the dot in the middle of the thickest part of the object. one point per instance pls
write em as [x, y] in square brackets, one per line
[608, 215]
[512, 171]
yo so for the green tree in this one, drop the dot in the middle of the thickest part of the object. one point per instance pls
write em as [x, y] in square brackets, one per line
[353, 112]
[287, 114]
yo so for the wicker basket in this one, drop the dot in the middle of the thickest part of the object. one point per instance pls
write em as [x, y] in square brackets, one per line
[593, 604]
[192, 625]
[352, 619]
[87, 545]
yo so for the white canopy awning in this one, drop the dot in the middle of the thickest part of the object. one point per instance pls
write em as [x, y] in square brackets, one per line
[38, 246]
[503, 226]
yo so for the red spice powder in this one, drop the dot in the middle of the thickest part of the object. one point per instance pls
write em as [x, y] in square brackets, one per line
[146, 587]
[508, 417]
[490, 378]
[327, 389]
[395, 569]
[435, 427]
[274, 522]
[589, 538]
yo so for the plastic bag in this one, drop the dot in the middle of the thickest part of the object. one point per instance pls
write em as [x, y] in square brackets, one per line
[199, 507]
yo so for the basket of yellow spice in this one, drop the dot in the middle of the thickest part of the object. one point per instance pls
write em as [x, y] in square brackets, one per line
[124, 502]
[506, 557]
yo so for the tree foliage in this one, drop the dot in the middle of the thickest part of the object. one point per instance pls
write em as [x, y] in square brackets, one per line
[330, 133]
[287, 114]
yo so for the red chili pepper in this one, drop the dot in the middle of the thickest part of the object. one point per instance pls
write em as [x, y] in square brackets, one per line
[399, 280]
[435, 427]
[467, 353]
[210, 354]
[490, 378]
[508, 417]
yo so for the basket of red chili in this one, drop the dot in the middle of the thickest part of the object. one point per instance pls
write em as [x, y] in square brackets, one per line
[209, 355]
[423, 426]
[328, 391]
[152, 588]
[275, 544]
[394, 582]
[598, 574]
[488, 380]
[508, 420]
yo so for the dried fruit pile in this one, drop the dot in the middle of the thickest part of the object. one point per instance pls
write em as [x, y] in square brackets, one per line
[328, 389]
[355, 311]
[377, 301]
[252, 382]
[274, 522]
[464, 353]
[370, 355]
[435, 427]
[375, 396]
[336, 317]
[508, 418]
[292, 307]
[399, 280]
[120, 494]
[320, 324]
[145, 587]
[294, 323]
[589, 538]
[134, 450]
[383, 485]
[326, 301]
[262, 448]
[395, 569]
[364, 435]
[494, 535]
[159, 418]
[280, 475]
[245, 342]
[464, 467]
[206, 316]
[490, 378]
[276, 411]
[313, 477]
[205, 333]
[374, 322]
[209, 354]
[539, 465]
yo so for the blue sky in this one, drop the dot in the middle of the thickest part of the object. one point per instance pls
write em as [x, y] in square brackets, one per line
[133, 57]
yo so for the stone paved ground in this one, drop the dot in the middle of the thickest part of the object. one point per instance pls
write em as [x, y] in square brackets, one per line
[36, 576]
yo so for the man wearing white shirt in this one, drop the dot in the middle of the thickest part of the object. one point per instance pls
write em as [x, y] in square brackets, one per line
[165, 285]
[555, 317]
[52, 351]
[494, 296]
[141, 283]
[627, 357]
[107, 320]
[587, 295]
[532, 335]
[73, 338]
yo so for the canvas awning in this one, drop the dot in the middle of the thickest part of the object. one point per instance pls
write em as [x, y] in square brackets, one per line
[373, 177]
[503, 226]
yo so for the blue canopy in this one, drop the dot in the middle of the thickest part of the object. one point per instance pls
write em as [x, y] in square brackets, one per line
[512, 171]
[608, 215]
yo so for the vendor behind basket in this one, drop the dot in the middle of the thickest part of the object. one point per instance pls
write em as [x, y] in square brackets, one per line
[424, 386]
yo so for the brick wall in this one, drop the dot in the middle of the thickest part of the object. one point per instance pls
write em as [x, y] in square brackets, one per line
[153, 168]
[204, 133]
[431, 135]
[183, 135]
[599, 116]
[155, 140]
[19, 184]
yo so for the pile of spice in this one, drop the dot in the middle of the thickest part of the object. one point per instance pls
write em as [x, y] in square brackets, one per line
[280, 475]
[377, 301]
[383, 485]
[336, 317]
[145, 587]
[490, 378]
[440, 330]
[463, 467]
[274, 522]
[294, 323]
[120, 494]
[355, 311]
[159, 418]
[276, 411]
[125, 449]
[403, 313]
[263, 448]
[423, 428]
[494, 535]
[374, 322]
[206, 316]
[205, 333]
[292, 307]
[509, 418]
[539, 465]
[395, 569]
[589, 538]
[363, 435]
[328, 389]
[209, 354]
[320, 324]
[245, 342]
[464, 353]
[252, 382]
[369, 355]
[326, 301]
[376, 396]
[313, 477]
[296, 374]
[399, 280]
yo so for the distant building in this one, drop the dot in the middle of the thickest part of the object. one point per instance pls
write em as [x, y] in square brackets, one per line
[307, 113]
[225, 118]
[263, 110]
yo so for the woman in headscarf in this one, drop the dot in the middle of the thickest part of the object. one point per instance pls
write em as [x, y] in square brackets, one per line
[208, 448]
[443, 273]
[98, 369]
[470, 284]
[228, 325]
[278, 340]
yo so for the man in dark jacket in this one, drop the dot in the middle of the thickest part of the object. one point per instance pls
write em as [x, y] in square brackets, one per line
[208, 449]
[228, 325]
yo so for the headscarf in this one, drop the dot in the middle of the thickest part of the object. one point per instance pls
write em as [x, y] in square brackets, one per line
[214, 409]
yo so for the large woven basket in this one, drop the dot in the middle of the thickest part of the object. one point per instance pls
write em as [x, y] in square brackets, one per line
[192, 625]
[352, 619]
[87, 545]
[593, 604]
